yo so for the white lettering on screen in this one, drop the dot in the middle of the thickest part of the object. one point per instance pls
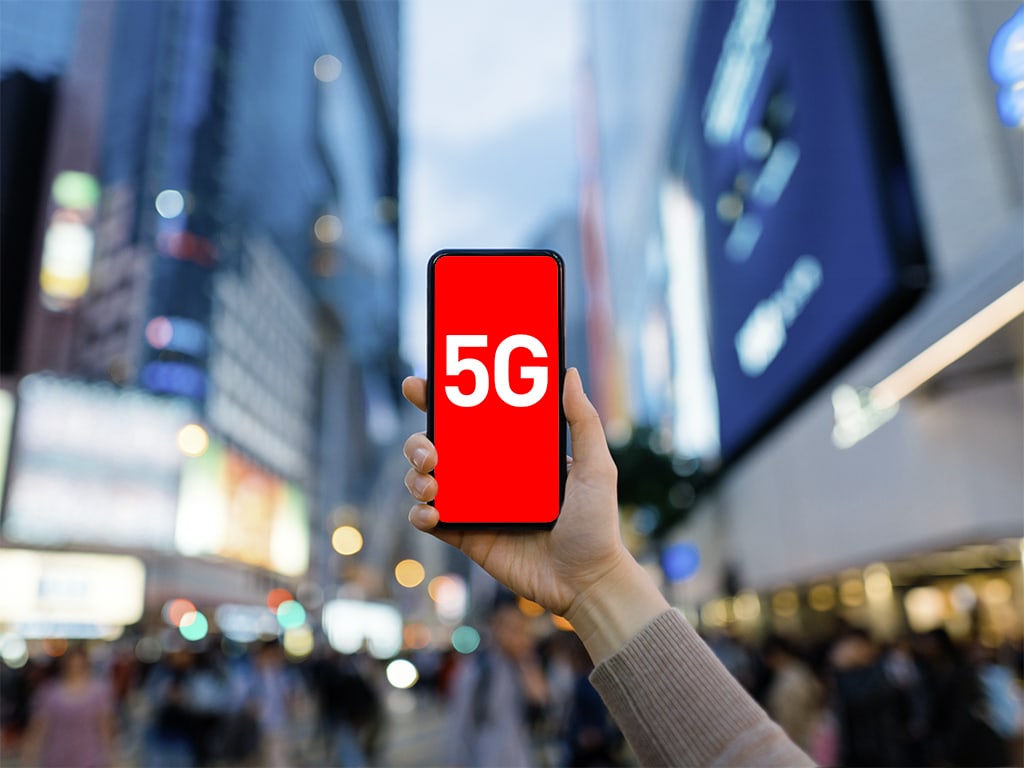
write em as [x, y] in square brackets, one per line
[745, 53]
[763, 335]
[455, 365]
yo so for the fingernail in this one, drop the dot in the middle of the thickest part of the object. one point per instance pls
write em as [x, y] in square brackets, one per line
[419, 456]
[419, 484]
[419, 516]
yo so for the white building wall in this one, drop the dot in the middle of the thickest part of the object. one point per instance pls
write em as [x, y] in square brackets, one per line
[949, 469]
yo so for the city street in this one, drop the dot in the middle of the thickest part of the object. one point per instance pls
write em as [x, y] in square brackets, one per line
[415, 732]
[542, 383]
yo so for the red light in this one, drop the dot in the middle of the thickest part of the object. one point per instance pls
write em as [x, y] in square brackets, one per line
[277, 596]
[187, 246]
[175, 610]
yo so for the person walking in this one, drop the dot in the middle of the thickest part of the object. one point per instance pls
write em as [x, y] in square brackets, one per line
[275, 690]
[72, 722]
[794, 697]
[496, 691]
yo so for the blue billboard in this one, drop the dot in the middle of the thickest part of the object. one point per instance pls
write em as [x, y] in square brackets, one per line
[789, 146]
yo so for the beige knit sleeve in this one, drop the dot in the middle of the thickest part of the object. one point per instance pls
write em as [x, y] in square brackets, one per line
[678, 706]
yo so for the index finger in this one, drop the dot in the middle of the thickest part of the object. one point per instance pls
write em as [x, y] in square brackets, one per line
[415, 390]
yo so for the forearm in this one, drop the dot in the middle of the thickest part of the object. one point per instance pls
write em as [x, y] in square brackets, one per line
[672, 698]
[609, 613]
[677, 704]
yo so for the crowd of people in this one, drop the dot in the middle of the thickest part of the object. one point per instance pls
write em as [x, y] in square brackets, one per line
[211, 703]
[846, 700]
[921, 700]
[217, 703]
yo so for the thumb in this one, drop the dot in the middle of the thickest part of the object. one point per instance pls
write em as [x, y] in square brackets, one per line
[589, 447]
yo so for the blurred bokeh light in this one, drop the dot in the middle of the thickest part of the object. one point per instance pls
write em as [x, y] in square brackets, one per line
[347, 540]
[409, 573]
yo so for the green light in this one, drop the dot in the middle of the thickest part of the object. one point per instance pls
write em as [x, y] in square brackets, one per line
[291, 614]
[195, 629]
[74, 189]
[465, 639]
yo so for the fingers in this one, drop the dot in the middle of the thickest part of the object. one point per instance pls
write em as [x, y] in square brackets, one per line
[422, 487]
[589, 447]
[415, 390]
[420, 452]
[423, 517]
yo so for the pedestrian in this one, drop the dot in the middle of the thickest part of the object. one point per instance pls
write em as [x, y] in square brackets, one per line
[498, 692]
[960, 733]
[1001, 702]
[591, 736]
[168, 740]
[903, 672]
[72, 722]
[794, 696]
[208, 699]
[275, 696]
[346, 704]
[868, 705]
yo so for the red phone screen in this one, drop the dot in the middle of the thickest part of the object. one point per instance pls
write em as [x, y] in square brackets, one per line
[495, 399]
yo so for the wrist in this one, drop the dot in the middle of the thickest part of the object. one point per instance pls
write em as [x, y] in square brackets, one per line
[614, 608]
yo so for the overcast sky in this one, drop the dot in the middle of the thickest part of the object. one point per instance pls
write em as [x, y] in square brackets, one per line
[488, 132]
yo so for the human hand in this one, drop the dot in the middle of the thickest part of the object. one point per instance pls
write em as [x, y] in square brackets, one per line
[552, 567]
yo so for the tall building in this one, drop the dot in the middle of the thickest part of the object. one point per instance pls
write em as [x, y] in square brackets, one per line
[877, 466]
[239, 267]
[634, 60]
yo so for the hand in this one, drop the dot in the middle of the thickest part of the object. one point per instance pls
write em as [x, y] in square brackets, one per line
[553, 567]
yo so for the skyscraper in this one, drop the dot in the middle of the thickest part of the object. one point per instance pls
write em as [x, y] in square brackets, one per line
[243, 249]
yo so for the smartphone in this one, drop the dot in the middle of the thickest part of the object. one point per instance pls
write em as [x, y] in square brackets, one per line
[495, 370]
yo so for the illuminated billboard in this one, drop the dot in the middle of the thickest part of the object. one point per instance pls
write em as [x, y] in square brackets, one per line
[93, 464]
[70, 594]
[231, 508]
[801, 242]
[352, 624]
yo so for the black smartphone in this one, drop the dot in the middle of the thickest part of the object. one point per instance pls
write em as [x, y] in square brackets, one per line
[495, 369]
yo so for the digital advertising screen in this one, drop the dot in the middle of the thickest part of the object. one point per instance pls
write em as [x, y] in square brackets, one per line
[70, 594]
[92, 463]
[229, 507]
[793, 197]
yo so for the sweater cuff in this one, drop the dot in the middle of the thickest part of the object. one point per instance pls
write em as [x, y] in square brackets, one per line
[678, 705]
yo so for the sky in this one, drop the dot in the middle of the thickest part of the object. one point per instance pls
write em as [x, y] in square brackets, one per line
[489, 94]
[39, 43]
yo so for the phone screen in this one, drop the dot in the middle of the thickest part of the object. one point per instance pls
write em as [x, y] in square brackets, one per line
[495, 369]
